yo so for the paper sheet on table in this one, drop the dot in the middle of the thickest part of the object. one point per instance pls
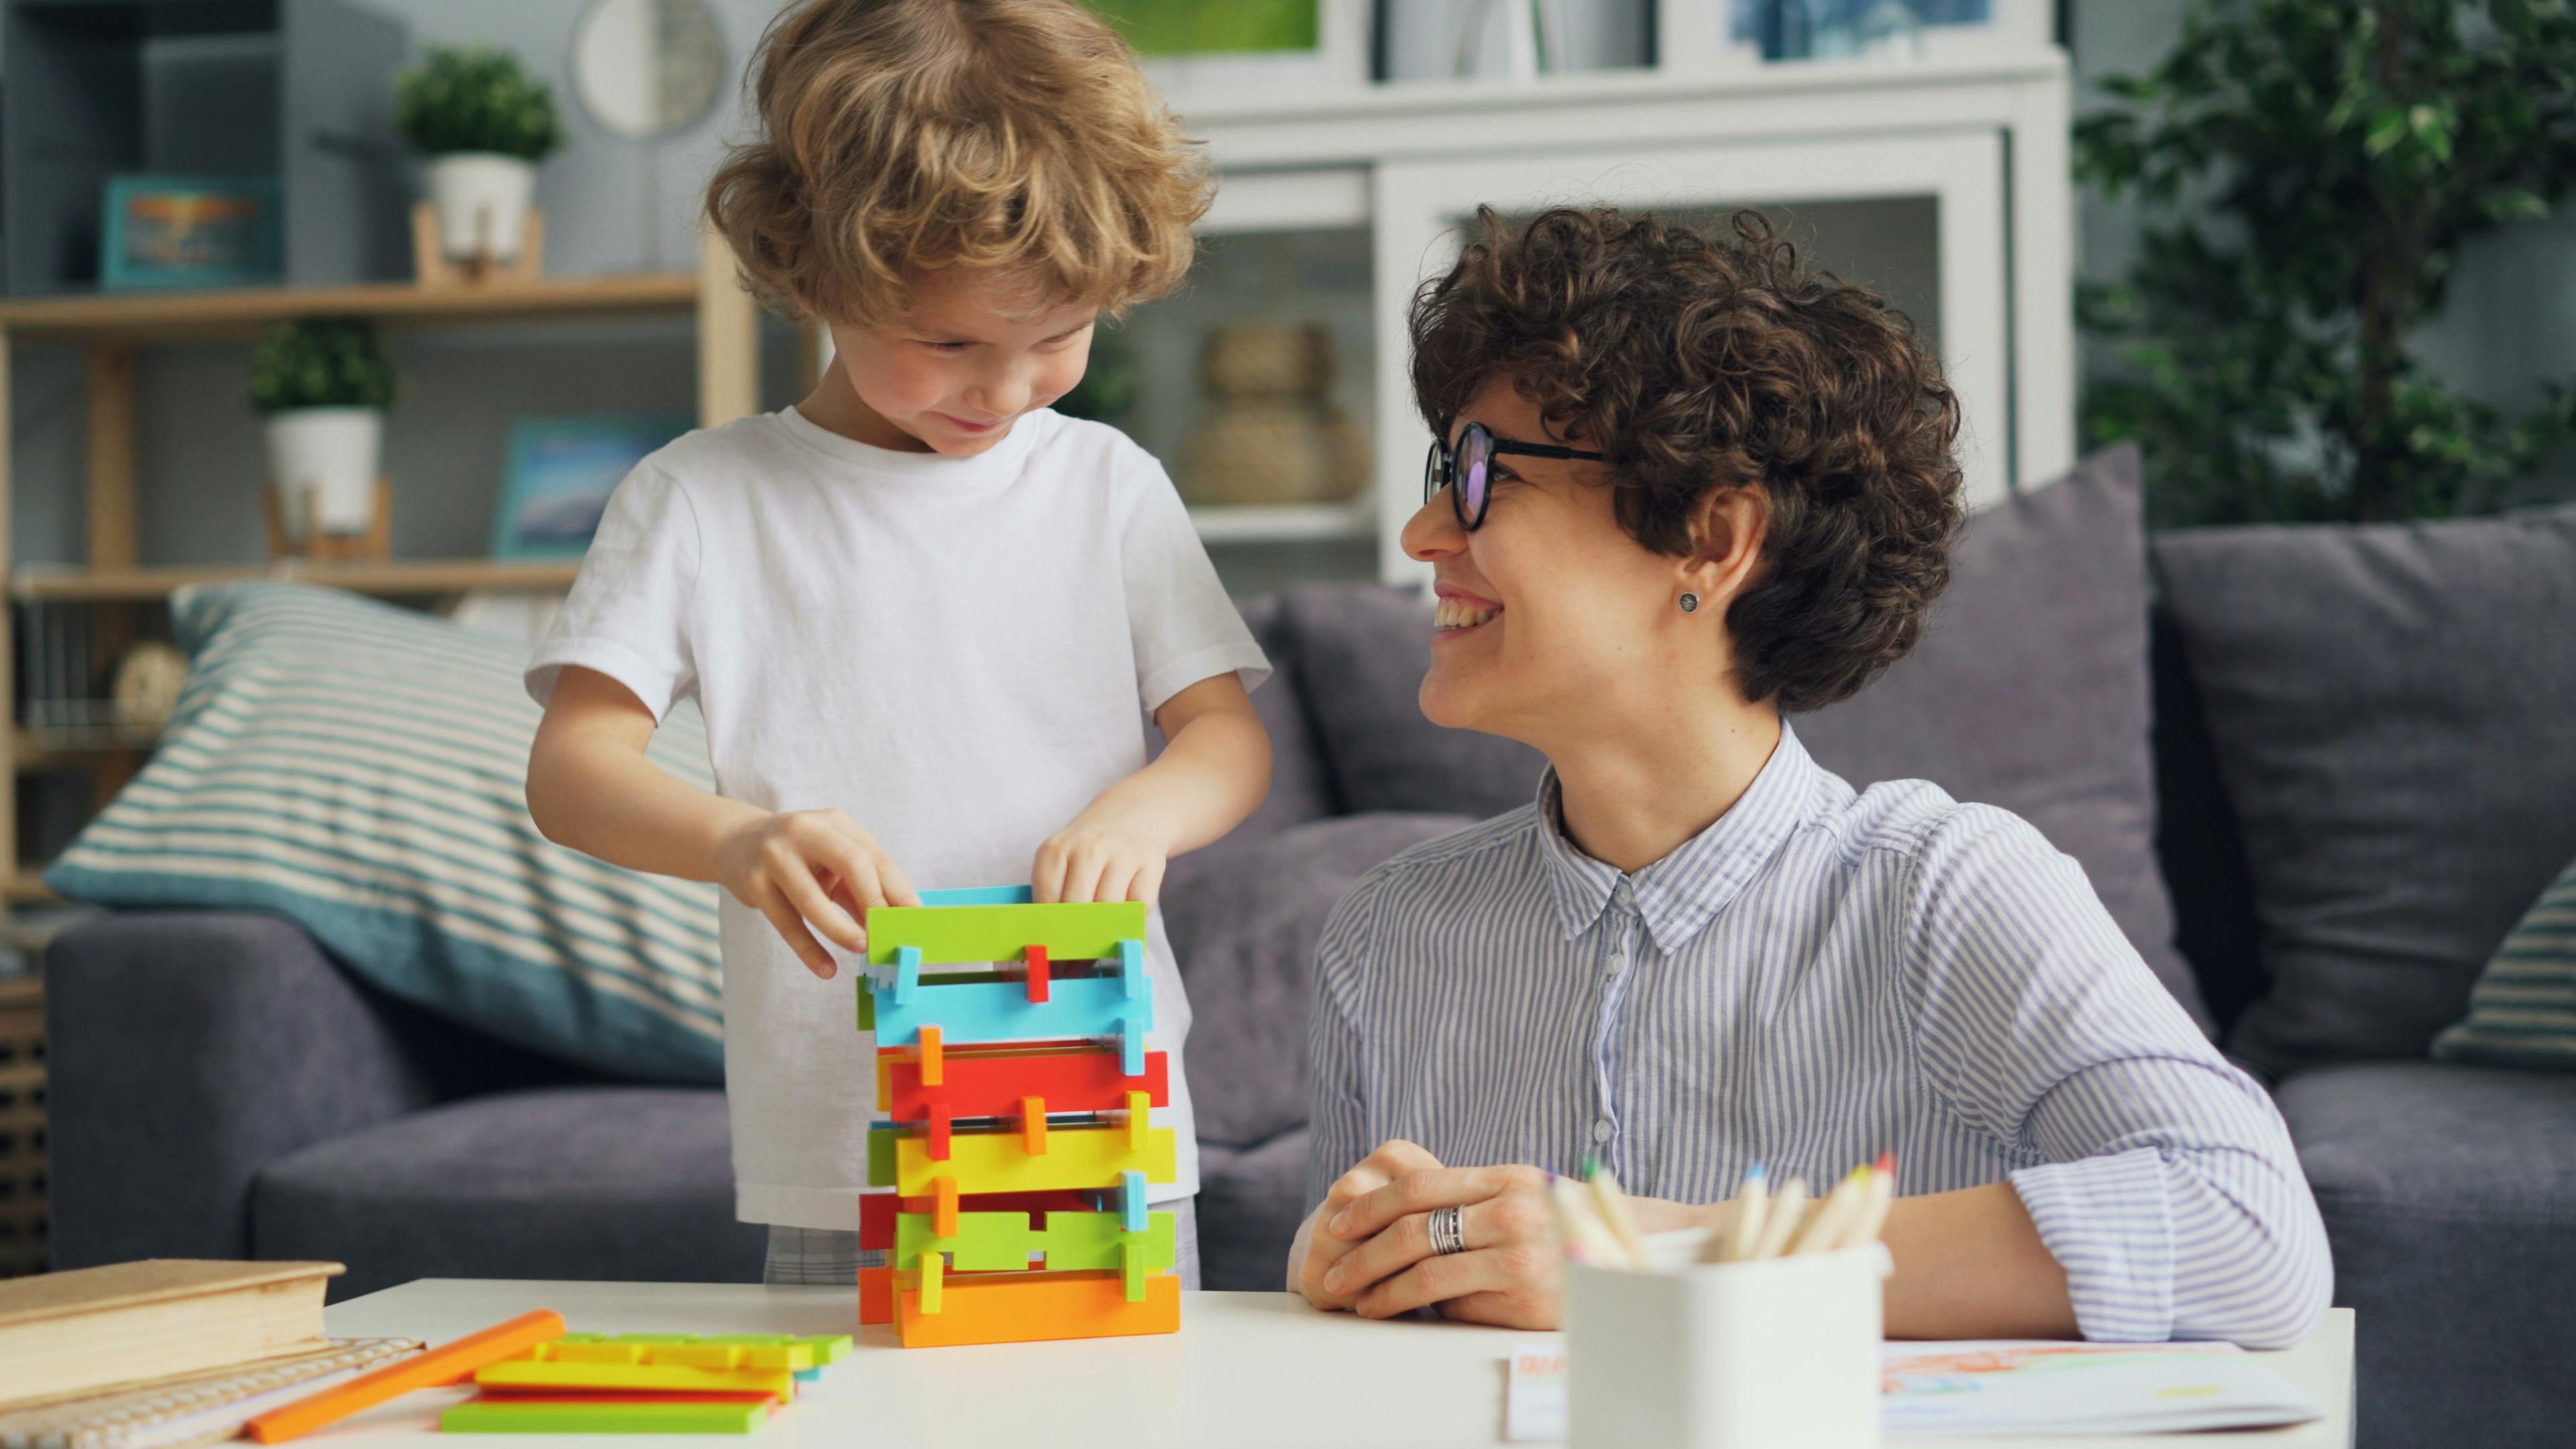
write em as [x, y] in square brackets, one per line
[2083, 1388]
[2002, 1387]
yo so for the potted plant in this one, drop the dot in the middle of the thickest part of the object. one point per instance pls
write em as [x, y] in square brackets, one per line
[324, 383]
[484, 124]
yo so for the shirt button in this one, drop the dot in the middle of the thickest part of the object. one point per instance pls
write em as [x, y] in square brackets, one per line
[1601, 1130]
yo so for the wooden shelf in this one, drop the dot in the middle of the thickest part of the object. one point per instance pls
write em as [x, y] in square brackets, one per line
[27, 886]
[397, 578]
[157, 316]
[1284, 522]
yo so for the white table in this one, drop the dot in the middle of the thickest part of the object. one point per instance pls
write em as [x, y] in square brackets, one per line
[1245, 1369]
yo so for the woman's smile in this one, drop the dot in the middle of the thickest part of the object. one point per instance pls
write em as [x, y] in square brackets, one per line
[1460, 612]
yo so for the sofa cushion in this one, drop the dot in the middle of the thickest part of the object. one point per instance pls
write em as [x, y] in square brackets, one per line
[564, 1182]
[361, 770]
[1300, 789]
[2522, 1012]
[1250, 1202]
[2030, 691]
[2449, 1195]
[2390, 707]
[1360, 654]
[1245, 938]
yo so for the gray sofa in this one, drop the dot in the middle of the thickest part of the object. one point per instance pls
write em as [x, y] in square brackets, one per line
[221, 1088]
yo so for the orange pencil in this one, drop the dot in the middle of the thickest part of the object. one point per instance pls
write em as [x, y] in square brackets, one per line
[451, 1363]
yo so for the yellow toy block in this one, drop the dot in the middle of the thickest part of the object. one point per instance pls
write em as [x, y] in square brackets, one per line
[598, 1414]
[1030, 1307]
[526, 1373]
[934, 1275]
[1077, 1158]
[693, 1350]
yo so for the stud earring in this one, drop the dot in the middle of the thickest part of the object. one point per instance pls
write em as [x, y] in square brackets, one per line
[1690, 603]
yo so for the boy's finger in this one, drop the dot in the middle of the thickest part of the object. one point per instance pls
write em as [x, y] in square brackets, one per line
[1046, 875]
[1082, 876]
[805, 893]
[898, 888]
[791, 926]
[1117, 882]
[1149, 883]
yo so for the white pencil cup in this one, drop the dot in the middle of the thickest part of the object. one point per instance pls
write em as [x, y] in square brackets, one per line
[1777, 1354]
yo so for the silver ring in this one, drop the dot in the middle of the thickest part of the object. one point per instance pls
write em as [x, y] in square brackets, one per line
[1448, 1233]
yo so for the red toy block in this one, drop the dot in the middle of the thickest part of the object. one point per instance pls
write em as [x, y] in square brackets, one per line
[876, 1295]
[1036, 1204]
[938, 1115]
[1038, 977]
[876, 1221]
[990, 1081]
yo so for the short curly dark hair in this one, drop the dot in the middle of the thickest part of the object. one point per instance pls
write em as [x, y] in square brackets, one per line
[1694, 365]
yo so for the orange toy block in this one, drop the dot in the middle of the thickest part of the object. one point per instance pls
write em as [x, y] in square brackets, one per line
[876, 1295]
[1033, 1126]
[934, 1057]
[943, 1212]
[1033, 1307]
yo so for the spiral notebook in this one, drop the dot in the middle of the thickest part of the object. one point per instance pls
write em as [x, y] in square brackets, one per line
[192, 1409]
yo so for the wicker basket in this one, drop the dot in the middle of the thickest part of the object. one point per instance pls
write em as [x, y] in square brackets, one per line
[23, 1224]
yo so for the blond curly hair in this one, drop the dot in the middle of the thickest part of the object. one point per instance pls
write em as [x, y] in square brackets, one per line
[905, 136]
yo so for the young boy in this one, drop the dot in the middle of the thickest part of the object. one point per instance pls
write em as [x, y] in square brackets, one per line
[919, 611]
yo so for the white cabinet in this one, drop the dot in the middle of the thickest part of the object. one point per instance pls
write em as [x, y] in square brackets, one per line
[1970, 157]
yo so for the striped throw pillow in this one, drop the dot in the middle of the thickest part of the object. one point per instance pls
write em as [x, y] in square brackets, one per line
[2522, 1012]
[360, 769]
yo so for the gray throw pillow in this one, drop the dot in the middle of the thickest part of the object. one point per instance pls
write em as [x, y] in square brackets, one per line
[1359, 655]
[1244, 929]
[2030, 692]
[2390, 706]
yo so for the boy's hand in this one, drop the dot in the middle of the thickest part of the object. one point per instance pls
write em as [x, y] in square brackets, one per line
[814, 867]
[1111, 852]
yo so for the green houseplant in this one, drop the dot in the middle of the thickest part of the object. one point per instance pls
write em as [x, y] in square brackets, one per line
[484, 123]
[323, 384]
[2308, 172]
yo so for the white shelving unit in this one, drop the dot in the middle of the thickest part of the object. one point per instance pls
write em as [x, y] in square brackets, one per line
[1983, 137]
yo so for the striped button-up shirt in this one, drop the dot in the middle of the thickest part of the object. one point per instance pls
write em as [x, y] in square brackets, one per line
[1819, 975]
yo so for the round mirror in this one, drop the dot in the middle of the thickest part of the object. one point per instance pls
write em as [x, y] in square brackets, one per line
[647, 68]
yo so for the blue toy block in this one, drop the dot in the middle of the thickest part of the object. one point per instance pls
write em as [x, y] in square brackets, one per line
[997, 1011]
[1131, 1201]
[980, 896]
[907, 974]
[1132, 1041]
[1131, 969]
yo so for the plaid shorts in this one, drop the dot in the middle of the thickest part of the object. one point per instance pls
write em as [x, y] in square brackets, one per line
[832, 1257]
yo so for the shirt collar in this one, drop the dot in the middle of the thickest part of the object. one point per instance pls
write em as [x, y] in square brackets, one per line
[1680, 894]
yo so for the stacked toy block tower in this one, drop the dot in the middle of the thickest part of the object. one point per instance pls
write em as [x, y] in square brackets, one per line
[1011, 1063]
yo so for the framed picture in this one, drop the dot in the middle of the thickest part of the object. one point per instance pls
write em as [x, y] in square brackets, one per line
[191, 231]
[560, 473]
[1882, 29]
[1245, 49]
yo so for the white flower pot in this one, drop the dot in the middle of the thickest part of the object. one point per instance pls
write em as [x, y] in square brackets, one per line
[324, 463]
[482, 204]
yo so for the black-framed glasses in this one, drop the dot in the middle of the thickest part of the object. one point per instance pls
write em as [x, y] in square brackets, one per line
[1468, 469]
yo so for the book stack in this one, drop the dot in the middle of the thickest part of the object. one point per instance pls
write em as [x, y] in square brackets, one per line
[164, 1353]
[1021, 1143]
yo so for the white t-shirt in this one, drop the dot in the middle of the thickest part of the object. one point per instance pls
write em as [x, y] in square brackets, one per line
[958, 652]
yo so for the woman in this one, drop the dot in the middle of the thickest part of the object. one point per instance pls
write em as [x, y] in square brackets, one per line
[1683, 489]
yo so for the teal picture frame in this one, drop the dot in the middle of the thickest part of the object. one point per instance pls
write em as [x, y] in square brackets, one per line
[172, 232]
[560, 472]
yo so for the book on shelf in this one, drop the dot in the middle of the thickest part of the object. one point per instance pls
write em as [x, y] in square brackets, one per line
[94, 1328]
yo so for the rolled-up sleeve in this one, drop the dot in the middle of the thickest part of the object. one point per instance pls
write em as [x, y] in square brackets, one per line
[2160, 1177]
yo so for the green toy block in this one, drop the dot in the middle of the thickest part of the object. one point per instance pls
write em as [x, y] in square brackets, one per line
[718, 1350]
[972, 935]
[1005, 1242]
[881, 1151]
[508, 1416]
